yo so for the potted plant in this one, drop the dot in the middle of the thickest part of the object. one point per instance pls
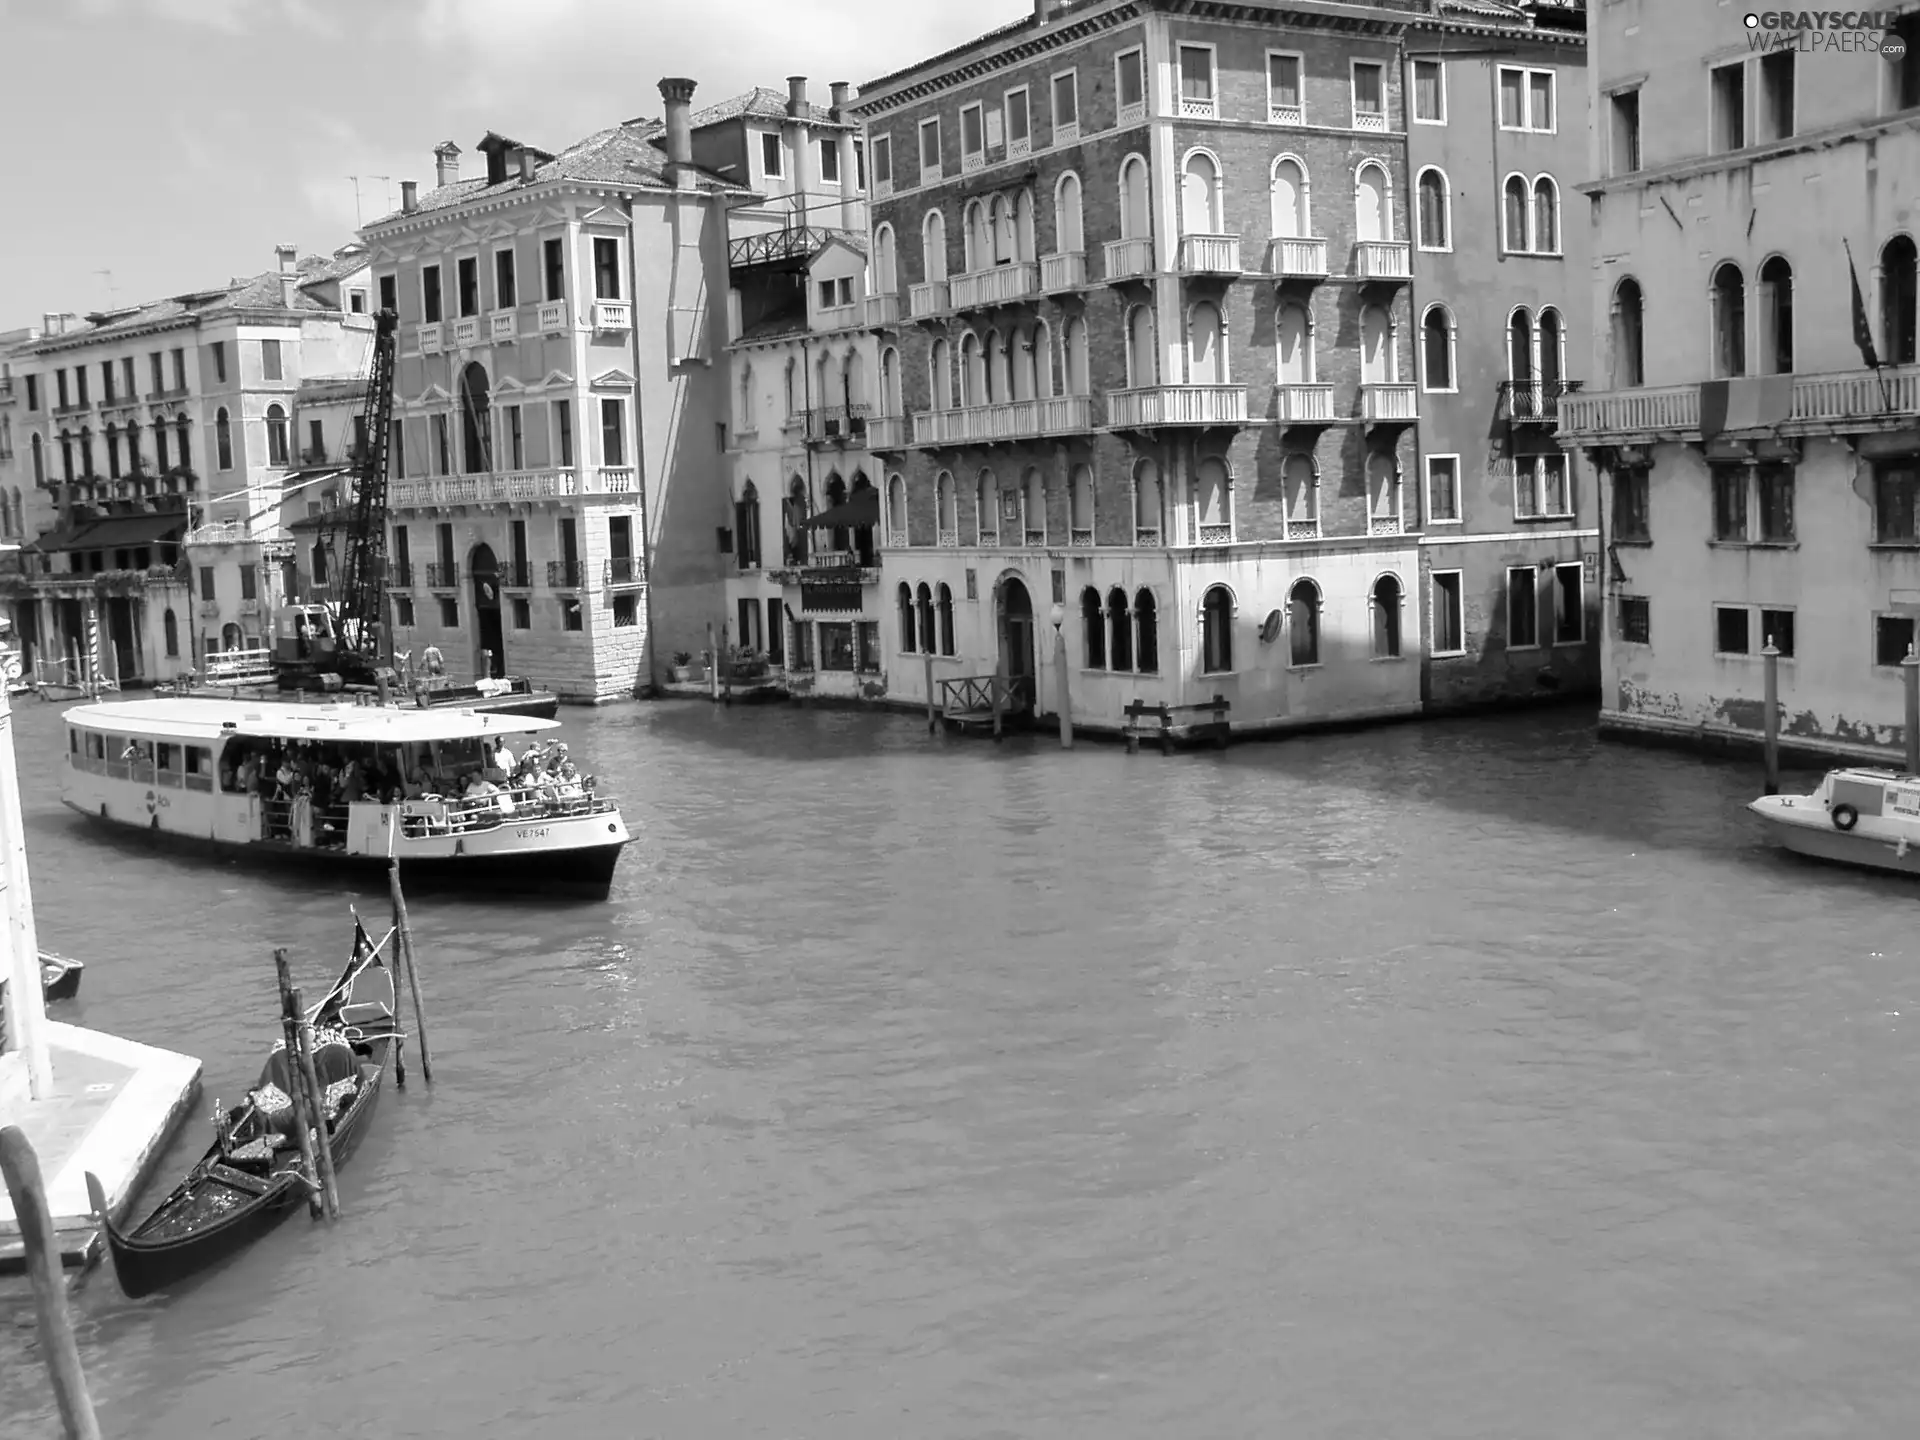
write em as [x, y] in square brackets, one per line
[745, 663]
[682, 666]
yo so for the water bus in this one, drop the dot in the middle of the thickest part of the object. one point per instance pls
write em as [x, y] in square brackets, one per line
[1858, 816]
[457, 795]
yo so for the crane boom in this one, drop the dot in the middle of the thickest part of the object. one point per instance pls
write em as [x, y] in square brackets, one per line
[363, 557]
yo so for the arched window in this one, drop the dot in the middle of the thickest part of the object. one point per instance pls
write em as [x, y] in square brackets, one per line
[1386, 618]
[1034, 501]
[1080, 506]
[39, 451]
[1020, 361]
[1301, 481]
[1899, 298]
[170, 628]
[945, 605]
[1039, 343]
[1147, 513]
[1293, 329]
[1135, 220]
[940, 375]
[890, 401]
[1550, 341]
[1119, 631]
[66, 455]
[1287, 193]
[1006, 230]
[1433, 216]
[976, 244]
[1546, 216]
[1520, 354]
[1216, 632]
[1023, 225]
[1303, 622]
[1210, 485]
[947, 518]
[1206, 345]
[908, 642]
[113, 451]
[793, 387]
[886, 276]
[1147, 650]
[223, 439]
[1383, 493]
[86, 451]
[135, 462]
[1093, 629]
[1141, 369]
[1200, 195]
[836, 492]
[986, 514]
[1376, 347]
[183, 438]
[993, 372]
[1513, 223]
[1067, 216]
[276, 435]
[1436, 348]
[792, 515]
[746, 527]
[476, 415]
[1729, 321]
[853, 381]
[973, 376]
[230, 637]
[1373, 219]
[1079, 379]
[320, 556]
[1776, 316]
[933, 246]
[896, 511]
[862, 534]
[1629, 355]
[925, 606]
[743, 412]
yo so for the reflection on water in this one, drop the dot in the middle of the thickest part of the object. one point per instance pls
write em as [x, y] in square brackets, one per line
[1461, 1079]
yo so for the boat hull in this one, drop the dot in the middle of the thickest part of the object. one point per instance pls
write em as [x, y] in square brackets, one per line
[60, 977]
[1801, 824]
[538, 705]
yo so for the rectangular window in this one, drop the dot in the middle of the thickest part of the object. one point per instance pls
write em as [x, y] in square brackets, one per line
[929, 150]
[1776, 629]
[555, 268]
[1776, 95]
[517, 538]
[397, 451]
[219, 348]
[1449, 614]
[606, 268]
[882, 160]
[1731, 630]
[80, 385]
[467, 277]
[1523, 608]
[973, 137]
[270, 360]
[1773, 486]
[830, 160]
[206, 582]
[449, 613]
[1892, 638]
[1130, 85]
[1526, 99]
[1727, 92]
[106, 382]
[1896, 504]
[390, 293]
[1284, 104]
[772, 156]
[430, 293]
[1630, 517]
[563, 432]
[403, 611]
[522, 610]
[516, 447]
[613, 437]
[442, 446]
[129, 376]
[1019, 123]
[356, 302]
[1540, 488]
[860, 166]
[1570, 609]
[626, 611]
[1903, 77]
[60, 388]
[1730, 503]
[506, 290]
[1429, 92]
[836, 645]
[1196, 81]
[1066, 107]
[1443, 489]
[33, 392]
[316, 443]
[1636, 620]
[249, 582]
[180, 368]
[572, 617]
[1369, 95]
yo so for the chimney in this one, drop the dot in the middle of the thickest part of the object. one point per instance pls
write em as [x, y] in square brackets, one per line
[839, 90]
[446, 163]
[529, 163]
[289, 258]
[1043, 10]
[797, 98]
[409, 196]
[677, 92]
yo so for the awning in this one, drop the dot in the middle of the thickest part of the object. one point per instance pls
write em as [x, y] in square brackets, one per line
[127, 531]
[862, 509]
[53, 542]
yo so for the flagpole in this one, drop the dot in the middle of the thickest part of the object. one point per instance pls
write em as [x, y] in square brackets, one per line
[1863, 333]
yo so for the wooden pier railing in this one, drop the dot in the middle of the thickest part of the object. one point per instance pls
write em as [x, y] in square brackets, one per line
[1156, 722]
[981, 700]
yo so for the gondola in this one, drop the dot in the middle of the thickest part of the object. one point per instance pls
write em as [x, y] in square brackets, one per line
[59, 976]
[253, 1177]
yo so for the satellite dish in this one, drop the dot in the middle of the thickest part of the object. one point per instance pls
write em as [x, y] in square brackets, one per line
[1270, 627]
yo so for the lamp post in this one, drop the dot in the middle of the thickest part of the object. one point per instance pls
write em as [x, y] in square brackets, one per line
[1059, 617]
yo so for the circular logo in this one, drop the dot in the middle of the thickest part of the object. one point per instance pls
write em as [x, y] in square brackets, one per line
[1893, 47]
[1753, 22]
[153, 802]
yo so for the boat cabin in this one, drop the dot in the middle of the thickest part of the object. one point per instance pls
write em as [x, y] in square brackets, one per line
[305, 635]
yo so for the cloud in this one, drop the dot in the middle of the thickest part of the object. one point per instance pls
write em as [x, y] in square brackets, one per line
[233, 17]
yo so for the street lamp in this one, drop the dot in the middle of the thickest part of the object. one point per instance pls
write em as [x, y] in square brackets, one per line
[1058, 616]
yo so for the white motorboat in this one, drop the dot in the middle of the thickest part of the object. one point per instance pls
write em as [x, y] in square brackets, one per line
[1858, 816]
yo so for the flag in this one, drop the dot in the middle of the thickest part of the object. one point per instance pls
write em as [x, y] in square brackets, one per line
[1753, 403]
[1862, 332]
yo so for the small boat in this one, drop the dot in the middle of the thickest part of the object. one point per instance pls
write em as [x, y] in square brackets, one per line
[511, 695]
[1859, 816]
[254, 1177]
[59, 976]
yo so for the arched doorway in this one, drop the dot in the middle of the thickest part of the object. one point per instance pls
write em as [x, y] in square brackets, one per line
[1016, 643]
[490, 636]
[476, 427]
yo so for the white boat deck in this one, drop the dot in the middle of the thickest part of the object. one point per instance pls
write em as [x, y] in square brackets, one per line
[188, 719]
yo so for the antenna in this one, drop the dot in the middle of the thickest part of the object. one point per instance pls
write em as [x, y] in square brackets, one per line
[112, 289]
[389, 180]
[356, 200]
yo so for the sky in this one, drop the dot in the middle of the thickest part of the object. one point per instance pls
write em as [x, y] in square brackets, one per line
[175, 143]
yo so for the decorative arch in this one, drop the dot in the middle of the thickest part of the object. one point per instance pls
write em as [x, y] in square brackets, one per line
[170, 628]
[1149, 513]
[1522, 368]
[933, 246]
[1033, 504]
[1899, 300]
[277, 449]
[1069, 215]
[993, 371]
[1289, 193]
[1627, 317]
[1550, 345]
[222, 440]
[976, 238]
[1383, 492]
[1775, 277]
[1023, 242]
[1546, 216]
[897, 511]
[1146, 650]
[943, 603]
[1515, 215]
[1217, 609]
[909, 630]
[1093, 630]
[1303, 622]
[1206, 344]
[1293, 337]
[1136, 218]
[1142, 359]
[945, 510]
[1386, 599]
[1200, 197]
[1080, 506]
[923, 603]
[973, 374]
[891, 401]
[1437, 349]
[1039, 357]
[1433, 218]
[1300, 479]
[886, 275]
[1379, 354]
[940, 373]
[1077, 375]
[1213, 500]
[38, 449]
[476, 415]
[1372, 200]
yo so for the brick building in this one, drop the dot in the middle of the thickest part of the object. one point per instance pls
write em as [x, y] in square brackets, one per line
[1496, 141]
[1158, 359]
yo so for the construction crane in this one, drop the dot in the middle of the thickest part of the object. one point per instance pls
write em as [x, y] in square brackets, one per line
[344, 641]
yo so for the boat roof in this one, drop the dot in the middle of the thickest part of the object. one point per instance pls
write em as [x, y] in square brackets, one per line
[208, 719]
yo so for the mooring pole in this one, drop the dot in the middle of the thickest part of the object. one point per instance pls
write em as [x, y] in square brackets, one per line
[404, 944]
[296, 1087]
[996, 694]
[1066, 697]
[1770, 718]
[316, 1106]
[932, 724]
[713, 666]
[57, 1344]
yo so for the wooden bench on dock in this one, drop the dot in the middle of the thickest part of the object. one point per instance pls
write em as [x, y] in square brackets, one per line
[1156, 722]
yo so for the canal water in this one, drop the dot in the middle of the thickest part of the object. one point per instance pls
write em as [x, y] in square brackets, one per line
[1460, 1080]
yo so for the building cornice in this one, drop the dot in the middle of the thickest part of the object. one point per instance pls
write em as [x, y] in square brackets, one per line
[1831, 138]
[543, 191]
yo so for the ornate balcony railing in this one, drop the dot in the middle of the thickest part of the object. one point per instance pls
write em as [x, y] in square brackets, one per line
[612, 315]
[428, 337]
[517, 575]
[883, 310]
[565, 574]
[1300, 403]
[503, 325]
[886, 432]
[508, 485]
[443, 575]
[999, 286]
[400, 575]
[1177, 405]
[466, 331]
[1302, 256]
[1210, 254]
[1389, 402]
[837, 424]
[927, 298]
[1065, 271]
[1129, 259]
[1534, 402]
[1851, 400]
[1011, 420]
[551, 317]
[1382, 260]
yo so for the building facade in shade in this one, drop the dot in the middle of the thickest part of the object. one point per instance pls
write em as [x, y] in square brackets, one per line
[1496, 141]
[1158, 361]
[139, 424]
[560, 391]
[1756, 425]
[810, 417]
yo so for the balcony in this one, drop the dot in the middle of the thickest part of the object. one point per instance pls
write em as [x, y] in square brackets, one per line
[503, 325]
[1129, 259]
[1382, 260]
[400, 575]
[1389, 404]
[612, 316]
[1133, 112]
[1279, 114]
[552, 317]
[429, 339]
[883, 310]
[73, 409]
[1209, 254]
[466, 332]
[626, 570]
[516, 575]
[1012, 420]
[565, 574]
[1846, 401]
[503, 486]
[886, 432]
[1391, 524]
[1298, 258]
[1373, 121]
[1002, 285]
[927, 298]
[1066, 271]
[1176, 405]
[1303, 404]
[443, 575]
[1534, 402]
[837, 425]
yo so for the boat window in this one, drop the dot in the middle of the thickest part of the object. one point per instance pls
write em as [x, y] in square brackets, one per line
[73, 740]
[163, 755]
[117, 748]
[199, 760]
[96, 746]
